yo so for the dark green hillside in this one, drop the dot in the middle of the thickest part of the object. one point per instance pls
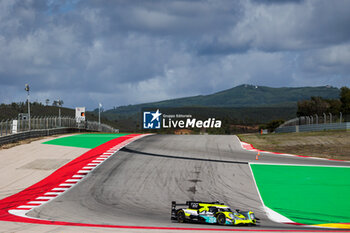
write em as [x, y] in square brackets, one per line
[11, 111]
[252, 96]
[244, 104]
[240, 96]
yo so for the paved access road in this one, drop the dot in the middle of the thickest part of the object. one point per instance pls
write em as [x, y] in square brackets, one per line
[137, 185]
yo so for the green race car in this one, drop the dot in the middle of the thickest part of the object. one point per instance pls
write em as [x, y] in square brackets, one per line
[211, 212]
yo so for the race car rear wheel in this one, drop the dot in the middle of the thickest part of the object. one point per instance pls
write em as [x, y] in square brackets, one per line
[221, 219]
[180, 216]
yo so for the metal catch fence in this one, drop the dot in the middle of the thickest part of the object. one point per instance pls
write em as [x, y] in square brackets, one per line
[325, 118]
[12, 126]
[316, 123]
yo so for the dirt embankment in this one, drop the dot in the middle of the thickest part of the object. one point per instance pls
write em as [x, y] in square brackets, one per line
[326, 144]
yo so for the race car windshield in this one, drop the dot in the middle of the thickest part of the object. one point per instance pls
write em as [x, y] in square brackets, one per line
[225, 209]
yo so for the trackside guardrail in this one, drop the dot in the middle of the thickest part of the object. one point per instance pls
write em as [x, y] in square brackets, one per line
[325, 118]
[313, 127]
[18, 129]
[33, 134]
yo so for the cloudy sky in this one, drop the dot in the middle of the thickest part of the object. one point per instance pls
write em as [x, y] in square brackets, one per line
[124, 52]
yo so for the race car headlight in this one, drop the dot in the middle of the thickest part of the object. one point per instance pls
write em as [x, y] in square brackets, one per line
[230, 215]
[252, 216]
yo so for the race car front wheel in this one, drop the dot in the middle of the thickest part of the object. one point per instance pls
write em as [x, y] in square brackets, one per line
[180, 216]
[221, 219]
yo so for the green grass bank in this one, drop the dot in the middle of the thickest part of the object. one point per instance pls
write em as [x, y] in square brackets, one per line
[305, 194]
[84, 140]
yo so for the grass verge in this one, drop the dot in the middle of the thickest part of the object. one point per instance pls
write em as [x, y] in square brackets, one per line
[90, 140]
[325, 144]
[305, 194]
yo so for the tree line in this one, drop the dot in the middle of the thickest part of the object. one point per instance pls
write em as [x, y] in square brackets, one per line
[318, 105]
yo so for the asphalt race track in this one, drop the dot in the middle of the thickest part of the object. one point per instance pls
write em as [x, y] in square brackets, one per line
[136, 186]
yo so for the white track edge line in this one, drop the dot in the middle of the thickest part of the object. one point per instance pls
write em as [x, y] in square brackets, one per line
[267, 209]
[301, 165]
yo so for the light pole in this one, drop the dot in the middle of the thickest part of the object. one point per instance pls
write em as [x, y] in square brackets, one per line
[59, 103]
[99, 113]
[27, 90]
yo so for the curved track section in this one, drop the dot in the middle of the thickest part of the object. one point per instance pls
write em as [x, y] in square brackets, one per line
[136, 186]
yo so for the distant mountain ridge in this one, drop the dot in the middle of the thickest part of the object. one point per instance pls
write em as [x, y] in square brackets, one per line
[240, 96]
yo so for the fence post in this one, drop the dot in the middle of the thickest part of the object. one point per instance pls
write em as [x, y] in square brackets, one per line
[324, 118]
[330, 117]
[341, 116]
[6, 126]
[316, 116]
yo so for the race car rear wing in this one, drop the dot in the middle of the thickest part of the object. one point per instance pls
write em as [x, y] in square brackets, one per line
[173, 209]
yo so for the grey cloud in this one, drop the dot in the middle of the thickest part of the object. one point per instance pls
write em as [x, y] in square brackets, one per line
[270, 2]
[126, 52]
[334, 60]
[283, 27]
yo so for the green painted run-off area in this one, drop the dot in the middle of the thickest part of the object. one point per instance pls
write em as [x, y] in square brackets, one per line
[305, 194]
[84, 140]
